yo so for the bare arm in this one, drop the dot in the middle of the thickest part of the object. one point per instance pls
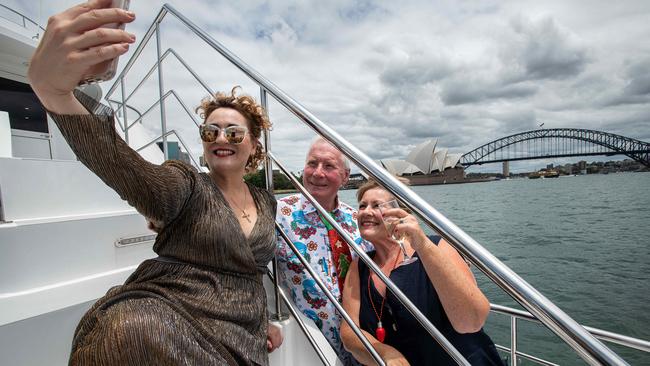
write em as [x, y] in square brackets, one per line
[351, 303]
[466, 306]
[464, 303]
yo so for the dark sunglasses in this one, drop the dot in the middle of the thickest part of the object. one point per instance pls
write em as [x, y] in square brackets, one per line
[233, 134]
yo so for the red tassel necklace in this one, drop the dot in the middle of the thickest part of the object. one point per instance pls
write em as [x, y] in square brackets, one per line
[380, 332]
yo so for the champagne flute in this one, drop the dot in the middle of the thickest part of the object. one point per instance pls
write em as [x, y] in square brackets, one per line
[390, 222]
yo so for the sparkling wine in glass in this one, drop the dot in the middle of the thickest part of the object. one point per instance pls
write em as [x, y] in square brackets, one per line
[390, 222]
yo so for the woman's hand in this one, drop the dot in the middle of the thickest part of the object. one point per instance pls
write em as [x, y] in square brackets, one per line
[274, 337]
[392, 357]
[72, 45]
[408, 225]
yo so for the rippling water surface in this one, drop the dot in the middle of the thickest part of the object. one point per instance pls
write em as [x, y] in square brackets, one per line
[582, 241]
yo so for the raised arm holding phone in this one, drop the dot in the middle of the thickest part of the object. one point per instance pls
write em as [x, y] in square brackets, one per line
[202, 301]
[74, 46]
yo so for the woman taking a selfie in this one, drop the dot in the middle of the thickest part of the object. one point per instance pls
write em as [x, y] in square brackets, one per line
[202, 301]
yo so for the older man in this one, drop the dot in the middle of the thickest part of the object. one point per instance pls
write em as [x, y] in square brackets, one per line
[326, 170]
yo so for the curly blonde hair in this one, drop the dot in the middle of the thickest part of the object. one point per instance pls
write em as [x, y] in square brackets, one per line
[253, 112]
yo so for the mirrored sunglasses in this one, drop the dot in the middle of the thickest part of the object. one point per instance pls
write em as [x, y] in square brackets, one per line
[233, 134]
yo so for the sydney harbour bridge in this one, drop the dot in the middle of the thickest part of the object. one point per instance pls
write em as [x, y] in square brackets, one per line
[557, 143]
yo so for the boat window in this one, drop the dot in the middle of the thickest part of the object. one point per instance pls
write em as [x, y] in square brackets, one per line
[25, 111]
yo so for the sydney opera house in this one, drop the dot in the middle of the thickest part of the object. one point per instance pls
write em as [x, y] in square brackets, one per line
[427, 164]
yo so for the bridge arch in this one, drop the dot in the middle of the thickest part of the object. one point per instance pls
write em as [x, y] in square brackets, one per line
[557, 142]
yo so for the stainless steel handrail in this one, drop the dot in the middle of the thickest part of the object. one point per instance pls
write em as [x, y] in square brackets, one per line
[620, 339]
[526, 356]
[433, 331]
[155, 66]
[163, 137]
[167, 94]
[268, 166]
[2, 210]
[113, 101]
[138, 50]
[588, 347]
[24, 17]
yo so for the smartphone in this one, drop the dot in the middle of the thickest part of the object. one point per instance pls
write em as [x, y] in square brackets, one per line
[106, 70]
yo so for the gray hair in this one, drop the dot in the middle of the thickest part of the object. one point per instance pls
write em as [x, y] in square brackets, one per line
[320, 140]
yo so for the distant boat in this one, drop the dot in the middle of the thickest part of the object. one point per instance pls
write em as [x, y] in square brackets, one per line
[550, 173]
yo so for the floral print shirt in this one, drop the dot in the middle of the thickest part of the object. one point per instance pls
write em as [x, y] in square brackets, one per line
[302, 224]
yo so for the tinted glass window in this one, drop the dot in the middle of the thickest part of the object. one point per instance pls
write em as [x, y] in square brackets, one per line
[25, 111]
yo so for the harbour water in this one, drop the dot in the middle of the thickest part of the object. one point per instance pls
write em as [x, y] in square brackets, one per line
[582, 241]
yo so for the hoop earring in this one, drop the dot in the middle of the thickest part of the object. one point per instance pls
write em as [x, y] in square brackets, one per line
[254, 158]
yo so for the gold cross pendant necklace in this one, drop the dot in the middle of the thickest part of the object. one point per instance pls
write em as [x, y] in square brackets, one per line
[246, 216]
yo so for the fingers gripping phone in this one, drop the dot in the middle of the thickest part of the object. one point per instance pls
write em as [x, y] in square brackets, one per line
[106, 70]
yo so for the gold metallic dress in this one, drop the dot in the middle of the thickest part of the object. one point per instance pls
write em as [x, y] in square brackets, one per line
[202, 301]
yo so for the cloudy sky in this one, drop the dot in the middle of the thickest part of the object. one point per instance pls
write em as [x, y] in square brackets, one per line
[387, 75]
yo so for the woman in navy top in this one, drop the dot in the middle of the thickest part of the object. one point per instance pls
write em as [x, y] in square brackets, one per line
[437, 280]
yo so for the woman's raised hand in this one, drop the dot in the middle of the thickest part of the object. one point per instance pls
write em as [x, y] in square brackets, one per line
[72, 45]
[409, 225]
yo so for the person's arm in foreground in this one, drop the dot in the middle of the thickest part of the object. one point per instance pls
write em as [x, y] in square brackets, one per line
[351, 304]
[72, 44]
[464, 303]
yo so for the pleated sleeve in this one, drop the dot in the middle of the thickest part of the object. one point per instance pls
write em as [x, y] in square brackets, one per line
[158, 192]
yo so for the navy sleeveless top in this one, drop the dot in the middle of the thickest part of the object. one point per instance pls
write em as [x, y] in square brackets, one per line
[404, 332]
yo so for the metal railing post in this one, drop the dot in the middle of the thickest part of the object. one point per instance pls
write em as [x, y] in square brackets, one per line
[622, 340]
[181, 143]
[124, 119]
[161, 90]
[268, 170]
[513, 340]
[2, 210]
[268, 163]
